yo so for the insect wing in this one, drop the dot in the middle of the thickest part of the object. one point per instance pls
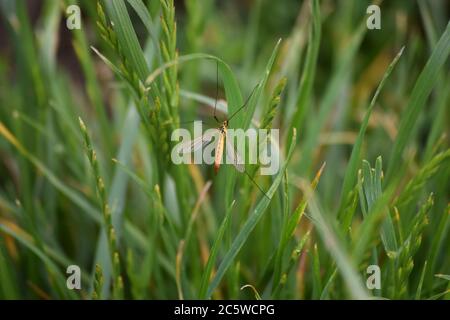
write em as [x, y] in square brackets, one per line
[195, 144]
[234, 156]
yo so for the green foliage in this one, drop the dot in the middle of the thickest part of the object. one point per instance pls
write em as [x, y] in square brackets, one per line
[103, 194]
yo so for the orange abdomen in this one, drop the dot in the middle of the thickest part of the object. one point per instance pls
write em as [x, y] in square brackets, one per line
[219, 152]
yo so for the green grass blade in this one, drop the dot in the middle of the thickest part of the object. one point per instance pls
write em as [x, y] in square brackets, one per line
[52, 268]
[419, 95]
[8, 280]
[353, 164]
[419, 286]
[343, 261]
[213, 254]
[330, 96]
[249, 226]
[144, 15]
[126, 36]
[244, 120]
[308, 75]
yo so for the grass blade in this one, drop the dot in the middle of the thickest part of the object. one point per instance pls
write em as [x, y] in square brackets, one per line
[249, 226]
[353, 164]
[419, 95]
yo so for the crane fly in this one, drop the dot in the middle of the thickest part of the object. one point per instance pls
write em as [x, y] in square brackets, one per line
[223, 141]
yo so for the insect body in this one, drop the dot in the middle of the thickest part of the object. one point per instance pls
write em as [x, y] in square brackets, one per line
[223, 142]
[219, 149]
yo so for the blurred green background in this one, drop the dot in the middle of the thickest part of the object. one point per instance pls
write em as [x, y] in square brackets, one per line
[180, 231]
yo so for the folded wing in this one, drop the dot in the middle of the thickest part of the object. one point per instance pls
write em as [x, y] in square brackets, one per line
[234, 156]
[195, 144]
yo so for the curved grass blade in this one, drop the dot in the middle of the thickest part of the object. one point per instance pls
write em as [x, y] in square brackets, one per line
[343, 260]
[253, 219]
[419, 95]
[246, 117]
[93, 213]
[126, 36]
[353, 164]
[50, 265]
[332, 91]
[144, 15]
[306, 83]
[214, 251]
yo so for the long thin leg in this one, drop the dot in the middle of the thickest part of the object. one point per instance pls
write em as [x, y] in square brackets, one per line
[245, 103]
[234, 155]
[257, 185]
[217, 91]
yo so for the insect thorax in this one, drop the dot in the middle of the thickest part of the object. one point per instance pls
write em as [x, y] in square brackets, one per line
[224, 126]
